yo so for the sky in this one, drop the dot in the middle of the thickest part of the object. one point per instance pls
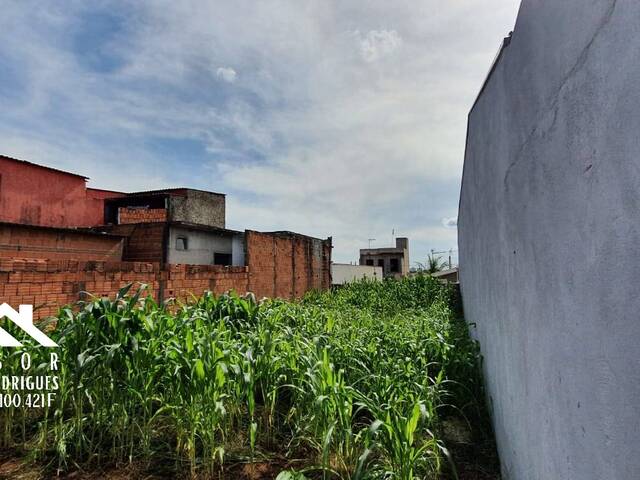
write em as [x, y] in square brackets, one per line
[328, 118]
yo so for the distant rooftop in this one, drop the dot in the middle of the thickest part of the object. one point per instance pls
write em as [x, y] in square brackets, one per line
[163, 191]
[82, 230]
[288, 233]
[170, 191]
[31, 164]
[443, 273]
[380, 251]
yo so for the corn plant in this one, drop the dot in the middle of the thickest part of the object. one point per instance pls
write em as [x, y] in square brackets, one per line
[350, 383]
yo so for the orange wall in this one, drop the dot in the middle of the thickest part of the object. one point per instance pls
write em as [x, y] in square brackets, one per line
[35, 195]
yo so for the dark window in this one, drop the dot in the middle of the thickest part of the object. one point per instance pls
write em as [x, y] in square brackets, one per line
[222, 259]
[370, 262]
[182, 243]
[381, 263]
[394, 265]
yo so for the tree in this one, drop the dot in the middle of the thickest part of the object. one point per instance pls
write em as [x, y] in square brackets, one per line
[434, 264]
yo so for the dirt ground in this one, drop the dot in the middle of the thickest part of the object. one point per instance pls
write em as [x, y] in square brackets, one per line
[474, 456]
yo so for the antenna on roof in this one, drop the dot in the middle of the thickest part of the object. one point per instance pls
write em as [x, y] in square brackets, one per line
[371, 240]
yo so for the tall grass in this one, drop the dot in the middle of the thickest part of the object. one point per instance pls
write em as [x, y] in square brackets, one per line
[352, 381]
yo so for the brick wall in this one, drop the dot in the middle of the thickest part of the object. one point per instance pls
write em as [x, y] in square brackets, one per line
[49, 284]
[279, 265]
[141, 215]
[285, 264]
[184, 280]
[144, 243]
[24, 241]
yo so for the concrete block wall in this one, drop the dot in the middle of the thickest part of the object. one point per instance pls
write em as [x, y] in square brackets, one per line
[549, 237]
[195, 206]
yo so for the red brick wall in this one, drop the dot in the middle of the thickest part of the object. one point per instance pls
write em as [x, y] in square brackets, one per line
[141, 215]
[49, 284]
[279, 265]
[145, 241]
[184, 280]
[286, 264]
[21, 241]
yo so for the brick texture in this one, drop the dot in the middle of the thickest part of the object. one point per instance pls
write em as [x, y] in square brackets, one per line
[282, 265]
[49, 284]
[145, 241]
[287, 265]
[24, 241]
[141, 215]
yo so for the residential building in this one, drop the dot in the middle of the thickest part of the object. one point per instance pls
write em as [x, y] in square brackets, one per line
[393, 260]
[59, 238]
[34, 194]
[450, 275]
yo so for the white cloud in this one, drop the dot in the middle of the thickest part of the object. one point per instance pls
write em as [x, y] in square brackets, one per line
[377, 44]
[450, 222]
[326, 131]
[227, 74]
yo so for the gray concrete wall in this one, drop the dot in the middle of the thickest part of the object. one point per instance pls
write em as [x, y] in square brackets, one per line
[238, 250]
[205, 208]
[549, 240]
[201, 246]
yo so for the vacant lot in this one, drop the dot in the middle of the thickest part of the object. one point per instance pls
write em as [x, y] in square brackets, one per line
[375, 380]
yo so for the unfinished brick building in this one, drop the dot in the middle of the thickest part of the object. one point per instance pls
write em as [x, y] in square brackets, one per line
[59, 238]
[393, 260]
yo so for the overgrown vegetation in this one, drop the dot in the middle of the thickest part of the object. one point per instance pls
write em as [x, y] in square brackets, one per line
[348, 384]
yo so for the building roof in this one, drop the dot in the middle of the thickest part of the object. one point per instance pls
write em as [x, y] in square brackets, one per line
[505, 43]
[179, 191]
[203, 228]
[444, 273]
[82, 230]
[31, 164]
[164, 191]
[288, 233]
[105, 190]
[381, 251]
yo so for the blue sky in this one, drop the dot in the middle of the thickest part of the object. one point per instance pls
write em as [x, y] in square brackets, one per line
[330, 118]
